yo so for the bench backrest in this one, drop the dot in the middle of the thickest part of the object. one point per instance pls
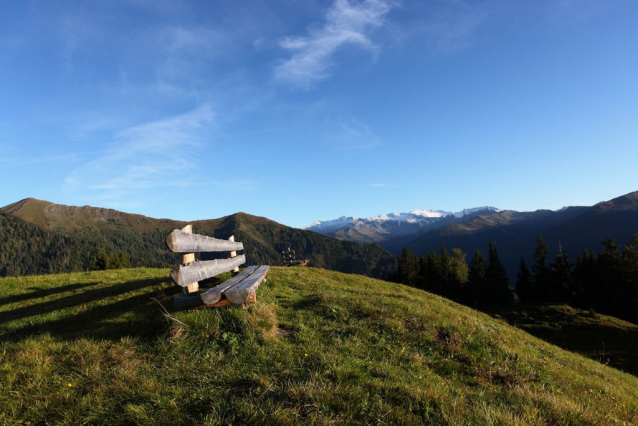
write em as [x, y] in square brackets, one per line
[190, 272]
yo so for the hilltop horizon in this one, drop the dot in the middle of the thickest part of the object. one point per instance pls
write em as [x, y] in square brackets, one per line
[393, 215]
[306, 111]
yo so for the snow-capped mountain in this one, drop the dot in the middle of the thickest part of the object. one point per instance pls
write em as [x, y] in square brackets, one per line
[419, 218]
[392, 230]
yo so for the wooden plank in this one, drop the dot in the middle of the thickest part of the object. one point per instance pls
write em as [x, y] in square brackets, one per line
[233, 254]
[243, 291]
[195, 302]
[201, 270]
[184, 302]
[187, 259]
[183, 242]
[214, 295]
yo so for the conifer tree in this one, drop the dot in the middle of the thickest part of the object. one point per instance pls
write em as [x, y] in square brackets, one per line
[124, 260]
[458, 276]
[540, 270]
[560, 288]
[102, 260]
[408, 267]
[585, 272]
[477, 272]
[445, 265]
[524, 282]
[498, 290]
[609, 280]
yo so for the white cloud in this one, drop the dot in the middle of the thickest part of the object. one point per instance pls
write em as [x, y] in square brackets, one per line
[381, 185]
[155, 154]
[352, 134]
[450, 24]
[346, 23]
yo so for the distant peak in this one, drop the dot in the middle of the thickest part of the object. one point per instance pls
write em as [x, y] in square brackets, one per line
[413, 217]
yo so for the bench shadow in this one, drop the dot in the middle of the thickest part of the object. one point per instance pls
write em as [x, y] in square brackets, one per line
[43, 292]
[76, 299]
[136, 316]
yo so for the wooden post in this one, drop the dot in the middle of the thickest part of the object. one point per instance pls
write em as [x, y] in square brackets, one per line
[187, 259]
[233, 254]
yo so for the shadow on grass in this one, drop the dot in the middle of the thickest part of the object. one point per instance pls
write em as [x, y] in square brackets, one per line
[591, 335]
[43, 292]
[76, 299]
[135, 316]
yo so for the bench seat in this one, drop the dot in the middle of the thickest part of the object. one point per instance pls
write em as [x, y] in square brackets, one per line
[238, 290]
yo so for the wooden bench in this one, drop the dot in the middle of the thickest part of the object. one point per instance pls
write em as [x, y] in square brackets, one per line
[238, 290]
[290, 259]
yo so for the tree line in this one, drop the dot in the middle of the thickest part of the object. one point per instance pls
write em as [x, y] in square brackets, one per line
[606, 281]
[27, 249]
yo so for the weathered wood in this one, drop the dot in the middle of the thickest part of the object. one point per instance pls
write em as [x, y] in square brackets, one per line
[201, 270]
[187, 259]
[233, 254]
[195, 302]
[214, 295]
[183, 242]
[242, 292]
[296, 262]
[185, 302]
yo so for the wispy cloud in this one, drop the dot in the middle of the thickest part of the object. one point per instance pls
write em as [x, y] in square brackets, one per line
[563, 13]
[14, 162]
[451, 24]
[161, 153]
[353, 134]
[345, 23]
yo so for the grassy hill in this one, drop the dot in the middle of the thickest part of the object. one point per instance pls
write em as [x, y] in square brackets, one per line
[600, 337]
[318, 347]
[66, 238]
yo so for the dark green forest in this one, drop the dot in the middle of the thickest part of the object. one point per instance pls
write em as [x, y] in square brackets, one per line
[27, 249]
[606, 282]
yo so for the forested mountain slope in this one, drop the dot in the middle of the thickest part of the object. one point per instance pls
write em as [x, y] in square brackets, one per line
[78, 232]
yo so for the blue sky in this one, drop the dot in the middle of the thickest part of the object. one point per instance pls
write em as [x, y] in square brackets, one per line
[309, 110]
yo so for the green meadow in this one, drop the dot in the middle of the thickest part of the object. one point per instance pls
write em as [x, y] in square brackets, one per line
[318, 347]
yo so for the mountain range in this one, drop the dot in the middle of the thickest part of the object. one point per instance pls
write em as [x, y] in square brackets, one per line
[571, 229]
[392, 230]
[39, 237]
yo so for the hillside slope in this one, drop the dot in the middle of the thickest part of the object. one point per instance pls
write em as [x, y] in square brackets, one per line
[143, 238]
[318, 347]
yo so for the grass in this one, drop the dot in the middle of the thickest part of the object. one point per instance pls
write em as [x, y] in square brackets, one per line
[319, 347]
[606, 339]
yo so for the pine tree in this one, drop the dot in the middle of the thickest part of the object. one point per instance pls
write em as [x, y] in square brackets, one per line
[458, 262]
[524, 282]
[629, 273]
[609, 280]
[124, 260]
[497, 283]
[102, 260]
[458, 276]
[585, 277]
[432, 273]
[445, 265]
[477, 272]
[540, 270]
[561, 286]
[408, 267]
